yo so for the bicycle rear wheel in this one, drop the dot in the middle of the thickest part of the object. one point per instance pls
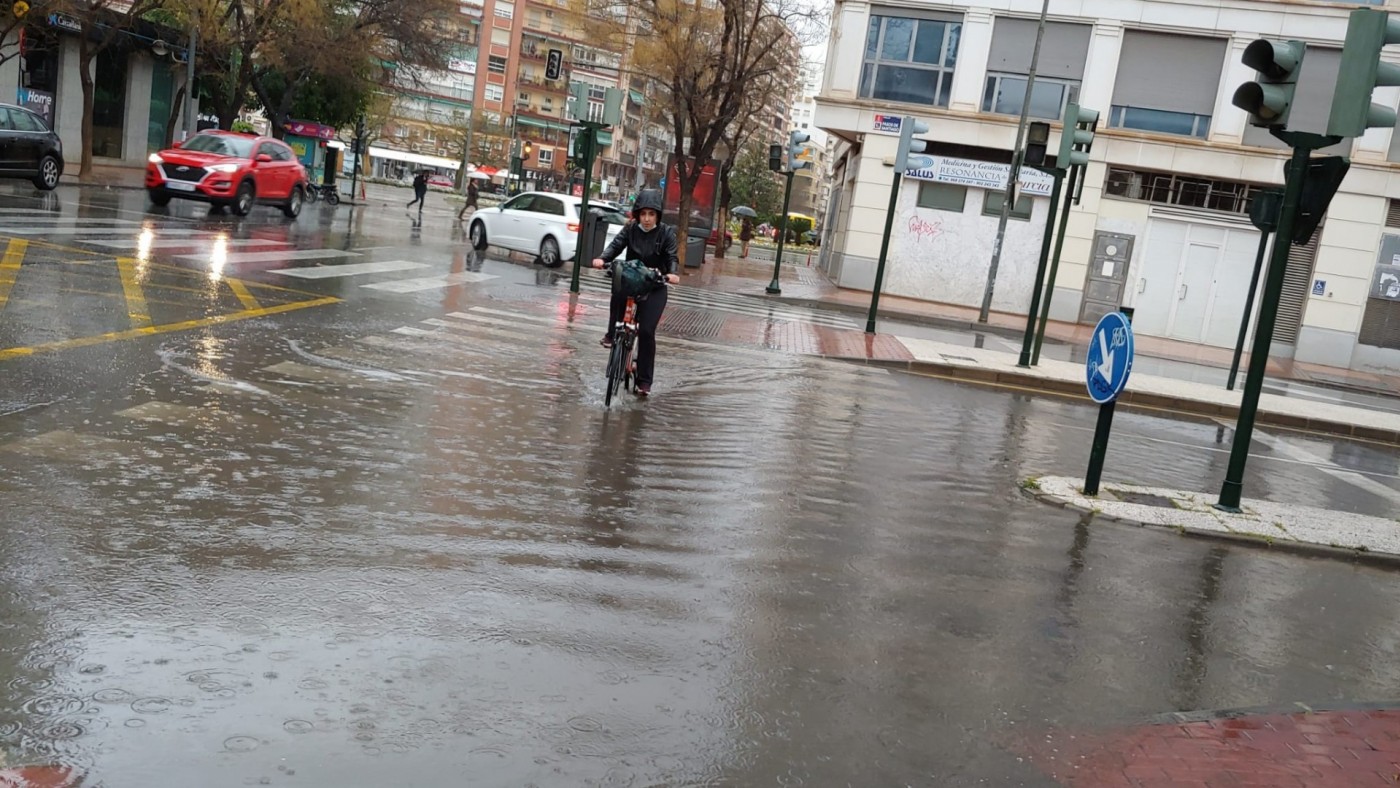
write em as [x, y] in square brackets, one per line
[617, 368]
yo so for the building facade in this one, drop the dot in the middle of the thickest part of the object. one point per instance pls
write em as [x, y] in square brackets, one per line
[1162, 225]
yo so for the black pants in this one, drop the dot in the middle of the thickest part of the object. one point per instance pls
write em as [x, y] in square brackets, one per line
[418, 198]
[648, 318]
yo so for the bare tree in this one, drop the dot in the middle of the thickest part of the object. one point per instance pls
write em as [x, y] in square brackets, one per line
[100, 24]
[706, 54]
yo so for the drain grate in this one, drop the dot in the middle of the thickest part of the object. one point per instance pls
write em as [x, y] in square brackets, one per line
[692, 322]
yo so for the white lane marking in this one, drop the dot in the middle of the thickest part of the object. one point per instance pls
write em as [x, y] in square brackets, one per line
[503, 313]
[429, 283]
[351, 269]
[272, 257]
[1355, 479]
[181, 243]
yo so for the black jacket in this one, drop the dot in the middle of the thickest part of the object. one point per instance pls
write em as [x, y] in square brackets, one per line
[656, 249]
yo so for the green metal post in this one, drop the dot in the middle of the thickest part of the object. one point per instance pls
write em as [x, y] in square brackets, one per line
[1248, 310]
[588, 134]
[884, 250]
[773, 288]
[1028, 341]
[1303, 144]
[1054, 266]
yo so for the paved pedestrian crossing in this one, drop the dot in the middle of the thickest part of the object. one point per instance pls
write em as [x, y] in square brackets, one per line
[732, 303]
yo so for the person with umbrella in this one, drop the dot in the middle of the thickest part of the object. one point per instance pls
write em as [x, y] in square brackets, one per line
[746, 215]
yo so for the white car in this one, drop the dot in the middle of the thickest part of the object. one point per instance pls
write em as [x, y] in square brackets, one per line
[543, 224]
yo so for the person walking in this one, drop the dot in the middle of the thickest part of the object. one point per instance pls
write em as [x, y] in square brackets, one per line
[420, 189]
[745, 235]
[472, 194]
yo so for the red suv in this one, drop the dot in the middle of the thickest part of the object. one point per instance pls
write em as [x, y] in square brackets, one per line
[228, 168]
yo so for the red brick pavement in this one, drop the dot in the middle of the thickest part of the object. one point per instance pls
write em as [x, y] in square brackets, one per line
[1327, 748]
[796, 337]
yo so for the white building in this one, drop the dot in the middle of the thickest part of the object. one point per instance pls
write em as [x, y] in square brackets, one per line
[1162, 226]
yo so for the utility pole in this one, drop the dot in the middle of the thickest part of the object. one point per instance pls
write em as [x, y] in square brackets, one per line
[1008, 202]
[191, 122]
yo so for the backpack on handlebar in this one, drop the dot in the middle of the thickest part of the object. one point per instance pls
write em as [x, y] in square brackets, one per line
[633, 279]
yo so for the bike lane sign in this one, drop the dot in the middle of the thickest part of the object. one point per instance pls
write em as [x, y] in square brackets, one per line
[1110, 357]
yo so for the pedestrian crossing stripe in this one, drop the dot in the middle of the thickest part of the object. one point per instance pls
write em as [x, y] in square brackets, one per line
[403, 286]
[697, 298]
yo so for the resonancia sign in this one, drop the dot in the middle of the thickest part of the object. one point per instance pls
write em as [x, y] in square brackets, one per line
[983, 175]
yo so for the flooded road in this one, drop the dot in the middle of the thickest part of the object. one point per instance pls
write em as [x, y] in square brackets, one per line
[399, 540]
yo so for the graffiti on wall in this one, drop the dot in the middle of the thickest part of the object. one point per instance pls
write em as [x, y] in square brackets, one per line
[921, 229]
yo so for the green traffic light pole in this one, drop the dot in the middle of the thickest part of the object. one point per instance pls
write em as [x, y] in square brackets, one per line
[1303, 145]
[1248, 309]
[884, 250]
[1028, 341]
[586, 138]
[773, 288]
[1054, 262]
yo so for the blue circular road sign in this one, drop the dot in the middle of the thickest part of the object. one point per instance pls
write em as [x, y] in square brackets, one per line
[1110, 357]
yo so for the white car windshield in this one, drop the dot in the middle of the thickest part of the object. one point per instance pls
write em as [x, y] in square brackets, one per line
[242, 147]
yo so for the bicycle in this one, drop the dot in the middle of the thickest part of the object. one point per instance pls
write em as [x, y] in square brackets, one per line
[327, 192]
[622, 367]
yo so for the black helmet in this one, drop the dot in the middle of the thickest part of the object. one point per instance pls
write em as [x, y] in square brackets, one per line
[648, 198]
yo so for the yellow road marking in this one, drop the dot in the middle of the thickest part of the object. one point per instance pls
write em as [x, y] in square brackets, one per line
[131, 273]
[145, 331]
[9, 267]
[244, 297]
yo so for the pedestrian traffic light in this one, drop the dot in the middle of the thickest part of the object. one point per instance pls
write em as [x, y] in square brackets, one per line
[1361, 71]
[903, 162]
[1077, 137]
[1270, 100]
[1037, 143]
[555, 65]
[775, 157]
[796, 140]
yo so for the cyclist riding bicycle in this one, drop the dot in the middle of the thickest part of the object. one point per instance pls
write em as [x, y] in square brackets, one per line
[653, 244]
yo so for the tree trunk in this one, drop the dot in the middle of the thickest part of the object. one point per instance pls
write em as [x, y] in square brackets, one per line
[85, 58]
[688, 173]
[176, 110]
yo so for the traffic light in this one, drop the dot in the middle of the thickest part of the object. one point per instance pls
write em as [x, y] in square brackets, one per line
[903, 162]
[1269, 100]
[1037, 143]
[555, 65]
[1361, 72]
[1077, 137]
[525, 151]
[20, 9]
[796, 139]
[775, 157]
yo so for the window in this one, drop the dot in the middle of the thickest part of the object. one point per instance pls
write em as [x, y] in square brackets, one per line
[429, 135]
[283, 153]
[546, 157]
[597, 93]
[1183, 190]
[500, 37]
[1166, 83]
[910, 59]
[495, 93]
[548, 205]
[991, 205]
[505, 10]
[524, 202]
[943, 196]
[496, 65]
[1063, 50]
[522, 98]
[534, 19]
[19, 120]
[1006, 92]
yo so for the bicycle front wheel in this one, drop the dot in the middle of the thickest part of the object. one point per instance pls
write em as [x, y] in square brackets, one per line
[617, 369]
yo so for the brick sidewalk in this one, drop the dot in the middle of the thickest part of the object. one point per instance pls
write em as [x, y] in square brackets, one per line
[1325, 748]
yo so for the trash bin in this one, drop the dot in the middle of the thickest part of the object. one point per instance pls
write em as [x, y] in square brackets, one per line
[695, 248]
[595, 235]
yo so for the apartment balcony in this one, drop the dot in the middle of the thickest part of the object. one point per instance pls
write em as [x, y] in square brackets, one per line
[555, 86]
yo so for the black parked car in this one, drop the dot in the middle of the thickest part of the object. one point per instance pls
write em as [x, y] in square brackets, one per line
[29, 149]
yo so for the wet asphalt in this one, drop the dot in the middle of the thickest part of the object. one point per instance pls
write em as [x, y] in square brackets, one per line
[398, 539]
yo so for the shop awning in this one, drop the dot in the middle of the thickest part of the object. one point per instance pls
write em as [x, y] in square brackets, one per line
[414, 158]
[541, 124]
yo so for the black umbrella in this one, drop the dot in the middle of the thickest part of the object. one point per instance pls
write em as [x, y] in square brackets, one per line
[744, 210]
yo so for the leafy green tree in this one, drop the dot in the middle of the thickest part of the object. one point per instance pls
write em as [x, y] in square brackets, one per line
[751, 183]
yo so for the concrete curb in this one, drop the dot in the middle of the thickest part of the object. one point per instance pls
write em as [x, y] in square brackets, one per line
[1358, 555]
[1139, 400]
[912, 318]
